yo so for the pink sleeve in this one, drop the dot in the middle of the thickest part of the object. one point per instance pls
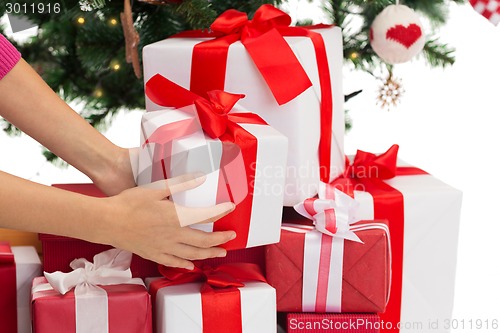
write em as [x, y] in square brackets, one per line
[9, 56]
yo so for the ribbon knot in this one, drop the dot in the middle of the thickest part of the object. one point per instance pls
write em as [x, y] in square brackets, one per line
[282, 71]
[369, 165]
[220, 277]
[230, 22]
[331, 216]
[266, 18]
[213, 112]
[109, 268]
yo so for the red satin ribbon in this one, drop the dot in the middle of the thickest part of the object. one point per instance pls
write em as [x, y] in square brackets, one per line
[216, 121]
[280, 68]
[8, 289]
[367, 173]
[219, 294]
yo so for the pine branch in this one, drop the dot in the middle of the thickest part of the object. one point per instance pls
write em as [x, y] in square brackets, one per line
[198, 13]
[437, 54]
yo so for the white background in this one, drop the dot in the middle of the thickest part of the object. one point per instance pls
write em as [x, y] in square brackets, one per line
[448, 124]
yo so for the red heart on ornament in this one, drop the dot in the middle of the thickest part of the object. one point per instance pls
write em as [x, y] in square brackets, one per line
[406, 36]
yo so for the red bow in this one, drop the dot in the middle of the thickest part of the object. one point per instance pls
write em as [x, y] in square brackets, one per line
[223, 276]
[369, 165]
[212, 112]
[266, 18]
[281, 70]
[219, 294]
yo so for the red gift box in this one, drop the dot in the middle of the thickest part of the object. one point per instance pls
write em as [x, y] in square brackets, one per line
[365, 272]
[59, 251]
[332, 322]
[129, 309]
[98, 296]
[8, 289]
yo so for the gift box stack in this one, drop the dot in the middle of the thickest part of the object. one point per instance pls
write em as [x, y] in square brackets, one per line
[325, 243]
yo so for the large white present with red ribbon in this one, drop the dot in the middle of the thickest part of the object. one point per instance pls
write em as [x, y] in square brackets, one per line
[423, 214]
[292, 77]
[18, 266]
[242, 157]
[338, 265]
[228, 298]
[95, 297]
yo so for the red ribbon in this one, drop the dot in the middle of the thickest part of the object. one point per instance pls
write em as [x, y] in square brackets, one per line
[219, 294]
[280, 68]
[8, 289]
[217, 122]
[368, 173]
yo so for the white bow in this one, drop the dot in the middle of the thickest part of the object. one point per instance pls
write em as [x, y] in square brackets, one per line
[331, 216]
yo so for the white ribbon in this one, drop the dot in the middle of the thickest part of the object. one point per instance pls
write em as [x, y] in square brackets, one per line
[339, 207]
[91, 302]
[333, 214]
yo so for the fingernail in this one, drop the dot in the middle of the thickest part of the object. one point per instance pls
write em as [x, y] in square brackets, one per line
[233, 236]
[189, 267]
[222, 254]
[232, 206]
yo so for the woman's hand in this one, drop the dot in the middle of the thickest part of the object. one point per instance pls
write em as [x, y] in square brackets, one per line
[143, 222]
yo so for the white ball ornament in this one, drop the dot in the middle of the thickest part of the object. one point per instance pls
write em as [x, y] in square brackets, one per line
[396, 34]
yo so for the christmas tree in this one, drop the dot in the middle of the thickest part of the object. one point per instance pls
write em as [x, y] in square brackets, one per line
[80, 49]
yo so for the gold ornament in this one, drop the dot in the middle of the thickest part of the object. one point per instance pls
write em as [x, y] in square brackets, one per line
[131, 38]
[390, 93]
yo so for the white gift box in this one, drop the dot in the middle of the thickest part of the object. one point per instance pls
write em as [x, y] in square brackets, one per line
[431, 225]
[298, 120]
[178, 308]
[199, 153]
[28, 266]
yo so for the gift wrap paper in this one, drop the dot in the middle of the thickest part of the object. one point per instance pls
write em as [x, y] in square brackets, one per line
[365, 272]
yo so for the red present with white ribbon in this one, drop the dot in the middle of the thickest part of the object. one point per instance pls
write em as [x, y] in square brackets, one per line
[242, 157]
[18, 266]
[336, 265]
[296, 88]
[229, 298]
[423, 214]
[95, 297]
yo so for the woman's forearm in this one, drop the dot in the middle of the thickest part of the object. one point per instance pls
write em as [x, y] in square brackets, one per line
[29, 103]
[29, 206]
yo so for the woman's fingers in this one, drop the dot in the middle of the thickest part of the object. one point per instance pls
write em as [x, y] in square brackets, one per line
[194, 215]
[161, 189]
[202, 239]
[173, 261]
